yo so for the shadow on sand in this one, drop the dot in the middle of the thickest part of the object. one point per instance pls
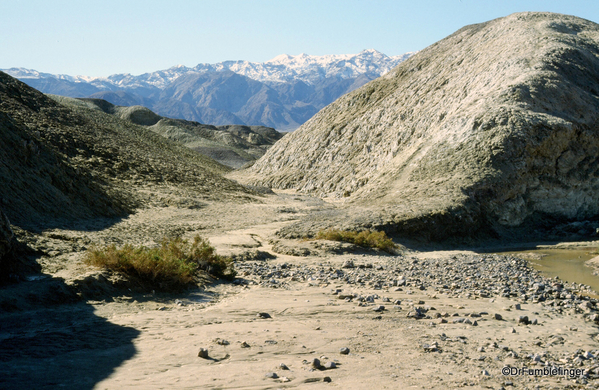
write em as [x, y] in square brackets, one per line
[62, 346]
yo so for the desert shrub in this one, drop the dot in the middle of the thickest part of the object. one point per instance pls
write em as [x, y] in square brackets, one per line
[365, 238]
[171, 266]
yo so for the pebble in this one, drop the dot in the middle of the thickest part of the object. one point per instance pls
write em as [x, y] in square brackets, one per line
[272, 375]
[283, 366]
[330, 365]
[203, 353]
[316, 364]
[523, 320]
[245, 345]
[344, 351]
[485, 276]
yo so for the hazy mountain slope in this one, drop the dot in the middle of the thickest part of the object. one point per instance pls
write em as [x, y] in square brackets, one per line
[119, 98]
[282, 93]
[495, 125]
[62, 163]
[223, 93]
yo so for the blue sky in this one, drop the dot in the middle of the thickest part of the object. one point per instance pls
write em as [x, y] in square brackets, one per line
[99, 38]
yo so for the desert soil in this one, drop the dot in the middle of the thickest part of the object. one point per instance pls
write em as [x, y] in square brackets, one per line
[317, 304]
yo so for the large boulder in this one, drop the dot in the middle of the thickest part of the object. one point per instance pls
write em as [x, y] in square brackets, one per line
[494, 126]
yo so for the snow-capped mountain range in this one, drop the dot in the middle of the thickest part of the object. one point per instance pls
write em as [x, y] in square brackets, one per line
[200, 93]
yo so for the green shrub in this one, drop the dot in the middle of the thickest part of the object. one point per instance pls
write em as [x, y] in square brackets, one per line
[171, 266]
[366, 238]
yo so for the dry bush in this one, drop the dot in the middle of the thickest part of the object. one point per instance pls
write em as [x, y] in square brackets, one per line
[366, 238]
[171, 266]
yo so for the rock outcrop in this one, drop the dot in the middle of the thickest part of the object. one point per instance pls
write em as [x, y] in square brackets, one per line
[494, 126]
[6, 236]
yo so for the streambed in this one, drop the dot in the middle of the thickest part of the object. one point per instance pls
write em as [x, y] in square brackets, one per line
[568, 264]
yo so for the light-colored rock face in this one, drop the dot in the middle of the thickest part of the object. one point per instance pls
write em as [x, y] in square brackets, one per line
[498, 119]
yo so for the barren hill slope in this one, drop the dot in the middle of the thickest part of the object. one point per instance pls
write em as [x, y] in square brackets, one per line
[231, 145]
[60, 163]
[495, 125]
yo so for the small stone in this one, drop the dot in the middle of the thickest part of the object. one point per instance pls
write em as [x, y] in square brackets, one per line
[513, 330]
[344, 351]
[283, 366]
[588, 355]
[486, 373]
[264, 315]
[272, 375]
[330, 365]
[475, 323]
[517, 306]
[245, 345]
[430, 348]
[498, 316]
[203, 353]
[316, 364]
[221, 342]
[379, 308]
[523, 320]
[327, 379]
[348, 264]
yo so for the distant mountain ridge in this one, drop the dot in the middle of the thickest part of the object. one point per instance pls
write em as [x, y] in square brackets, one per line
[282, 93]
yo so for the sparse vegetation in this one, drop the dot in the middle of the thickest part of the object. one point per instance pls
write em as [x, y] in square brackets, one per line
[366, 238]
[171, 266]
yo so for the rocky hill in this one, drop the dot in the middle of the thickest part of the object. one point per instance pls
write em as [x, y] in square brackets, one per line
[231, 145]
[65, 163]
[282, 93]
[491, 128]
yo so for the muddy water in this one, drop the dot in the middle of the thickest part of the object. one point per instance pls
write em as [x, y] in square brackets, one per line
[568, 264]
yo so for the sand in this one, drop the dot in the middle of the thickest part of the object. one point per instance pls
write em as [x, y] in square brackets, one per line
[151, 341]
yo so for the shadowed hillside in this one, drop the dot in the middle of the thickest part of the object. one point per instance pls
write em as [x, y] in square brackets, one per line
[63, 163]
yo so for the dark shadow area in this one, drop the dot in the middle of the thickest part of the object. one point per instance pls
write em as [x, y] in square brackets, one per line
[53, 345]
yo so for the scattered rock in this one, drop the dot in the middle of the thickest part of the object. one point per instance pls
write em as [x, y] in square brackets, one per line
[315, 364]
[523, 320]
[203, 353]
[344, 351]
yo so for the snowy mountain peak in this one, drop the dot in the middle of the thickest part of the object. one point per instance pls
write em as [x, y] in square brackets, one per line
[283, 68]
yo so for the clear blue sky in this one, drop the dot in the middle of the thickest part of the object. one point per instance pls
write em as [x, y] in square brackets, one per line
[103, 37]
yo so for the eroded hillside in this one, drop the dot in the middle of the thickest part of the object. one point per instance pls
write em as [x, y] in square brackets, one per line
[63, 163]
[494, 126]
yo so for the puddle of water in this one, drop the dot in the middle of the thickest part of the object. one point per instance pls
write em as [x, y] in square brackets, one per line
[568, 264]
